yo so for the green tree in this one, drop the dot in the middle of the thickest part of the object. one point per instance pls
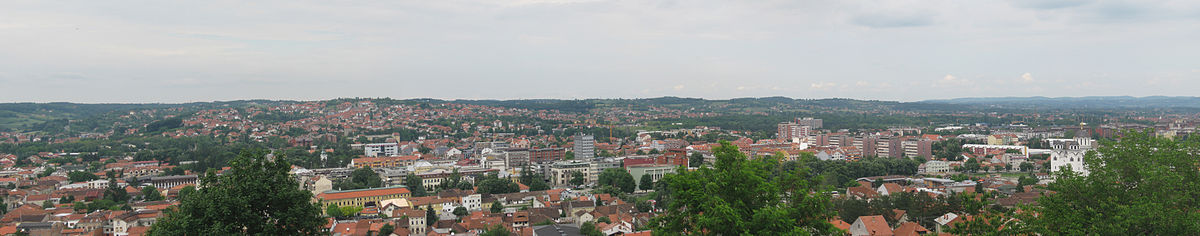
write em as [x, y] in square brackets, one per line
[460, 212]
[361, 178]
[415, 185]
[81, 176]
[430, 215]
[589, 229]
[150, 193]
[496, 230]
[334, 211]
[972, 165]
[497, 207]
[1026, 166]
[643, 206]
[617, 178]
[1140, 185]
[47, 172]
[256, 196]
[186, 191]
[739, 197]
[576, 178]
[647, 182]
[535, 181]
[387, 229]
[490, 184]
[696, 160]
[114, 192]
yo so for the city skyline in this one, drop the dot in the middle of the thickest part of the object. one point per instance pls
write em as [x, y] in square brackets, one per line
[896, 51]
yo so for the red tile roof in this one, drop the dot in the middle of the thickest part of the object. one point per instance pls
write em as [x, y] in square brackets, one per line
[362, 193]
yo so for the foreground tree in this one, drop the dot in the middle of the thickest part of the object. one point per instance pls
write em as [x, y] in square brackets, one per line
[256, 196]
[1141, 185]
[743, 197]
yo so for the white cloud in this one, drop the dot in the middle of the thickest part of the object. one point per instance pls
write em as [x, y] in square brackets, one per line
[951, 81]
[678, 87]
[1027, 77]
[823, 85]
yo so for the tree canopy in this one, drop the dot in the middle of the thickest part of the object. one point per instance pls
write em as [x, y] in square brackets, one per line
[743, 197]
[361, 178]
[415, 184]
[256, 196]
[1140, 185]
[617, 178]
[150, 193]
[490, 184]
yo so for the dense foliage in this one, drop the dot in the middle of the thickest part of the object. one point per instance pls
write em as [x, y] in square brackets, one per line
[359, 179]
[618, 179]
[1141, 185]
[256, 196]
[742, 197]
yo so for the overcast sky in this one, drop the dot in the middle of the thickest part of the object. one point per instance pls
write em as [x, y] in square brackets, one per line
[172, 51]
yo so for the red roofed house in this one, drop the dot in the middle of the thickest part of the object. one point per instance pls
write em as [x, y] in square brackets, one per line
[870, 225]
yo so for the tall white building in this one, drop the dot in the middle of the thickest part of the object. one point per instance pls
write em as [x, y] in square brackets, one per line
[1070, 153]
[585, 147]
[381, 149]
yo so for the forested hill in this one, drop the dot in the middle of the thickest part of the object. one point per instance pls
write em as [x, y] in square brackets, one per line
[31, 116]
[1112, 102]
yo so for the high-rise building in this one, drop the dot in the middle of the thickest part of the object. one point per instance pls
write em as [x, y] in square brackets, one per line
[918, 148]
[810, 122]
[585, 147]
[791, 131]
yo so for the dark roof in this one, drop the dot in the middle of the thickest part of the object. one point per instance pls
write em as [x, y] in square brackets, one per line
[556, 230]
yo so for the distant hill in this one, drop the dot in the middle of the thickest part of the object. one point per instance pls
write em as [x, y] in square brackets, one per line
[1095, 102]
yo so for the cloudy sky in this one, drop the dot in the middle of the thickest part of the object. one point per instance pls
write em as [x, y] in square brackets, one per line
[171, 51]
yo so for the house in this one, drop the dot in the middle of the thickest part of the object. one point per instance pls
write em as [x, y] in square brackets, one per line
[840, 225]
[945, 222]
[870, 226]
[910, 229]
[889, 188]
[862, 192]
[416, 220]
[899, 216]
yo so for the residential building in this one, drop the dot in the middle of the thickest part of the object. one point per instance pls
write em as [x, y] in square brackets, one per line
[560, 172]
[874, 225]
[541, 155]
[381, 149]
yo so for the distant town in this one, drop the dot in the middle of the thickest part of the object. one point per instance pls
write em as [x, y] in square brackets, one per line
[429, 167]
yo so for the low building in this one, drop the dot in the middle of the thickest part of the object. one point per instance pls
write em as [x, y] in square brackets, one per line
[655, 171]
[377, 162]
[363, 197]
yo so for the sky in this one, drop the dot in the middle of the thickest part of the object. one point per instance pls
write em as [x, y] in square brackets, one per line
[905, 50]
